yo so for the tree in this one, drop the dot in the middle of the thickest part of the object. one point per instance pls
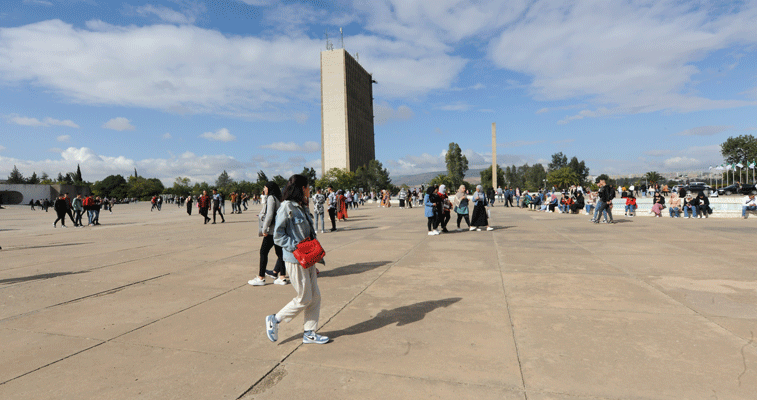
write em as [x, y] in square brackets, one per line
[445, 180]
[224, 181]
[559, 160]
[486, 177]
[457, 164]
[111, 186]
[535, 177]
[579, 168]
[741, 149]
[281, 181]
[513, 179]
[16, 176]
[181, 186]
[339, 178]
[33, 180]
[262, 179]
[563, 178]
[61, 179]
[373, 176]
[78, 178]
[653, 177]
[310, 174]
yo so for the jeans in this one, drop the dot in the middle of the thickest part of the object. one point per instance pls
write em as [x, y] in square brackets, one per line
[686, 210]
[602, 207]
[630, 208]
[744, 209]
[77, 220]
[563, 208]
[91, 216]
[265, 248]
[332, 216]
[323, 224]
[589, 207]
[675, 212]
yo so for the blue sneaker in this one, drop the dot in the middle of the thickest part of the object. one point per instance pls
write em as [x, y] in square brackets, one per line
[312, 337]
[272, 327]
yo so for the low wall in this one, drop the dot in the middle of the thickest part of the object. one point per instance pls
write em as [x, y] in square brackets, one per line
[22, 194]
[722, 207]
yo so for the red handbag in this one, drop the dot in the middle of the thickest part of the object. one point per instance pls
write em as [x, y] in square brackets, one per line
[308, 252]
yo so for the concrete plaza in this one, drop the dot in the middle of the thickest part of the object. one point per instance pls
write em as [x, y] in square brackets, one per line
[156, 305]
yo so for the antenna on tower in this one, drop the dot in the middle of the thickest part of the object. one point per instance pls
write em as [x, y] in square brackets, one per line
[357, 56]
[329, 46]
[342, 34]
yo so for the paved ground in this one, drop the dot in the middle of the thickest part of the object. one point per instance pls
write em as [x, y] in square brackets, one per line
[547, 306]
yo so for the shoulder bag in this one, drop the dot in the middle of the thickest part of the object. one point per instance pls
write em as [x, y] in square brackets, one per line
[309, 251]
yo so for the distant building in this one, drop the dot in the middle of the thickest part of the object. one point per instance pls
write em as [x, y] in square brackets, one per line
[346, 112]
[22, 193]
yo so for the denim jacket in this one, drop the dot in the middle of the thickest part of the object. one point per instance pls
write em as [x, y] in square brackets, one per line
[293, 225]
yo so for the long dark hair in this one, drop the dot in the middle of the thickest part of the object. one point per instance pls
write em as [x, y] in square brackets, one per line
[273, 190]
[294, 190]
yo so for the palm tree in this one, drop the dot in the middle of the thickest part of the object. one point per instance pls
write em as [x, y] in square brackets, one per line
[653, 177]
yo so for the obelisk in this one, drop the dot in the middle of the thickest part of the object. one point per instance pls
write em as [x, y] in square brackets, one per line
[494, 155]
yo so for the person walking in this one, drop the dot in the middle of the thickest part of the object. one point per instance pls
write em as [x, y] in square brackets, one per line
[189, 205]
[266, 220]
[443, 207]
[460, 202]
[332, 208]
[293, 225]
[318, 201]
[217, 203]
[479, 210]
[204, 203]
[78, 207]
[430, 211]
[61, 210]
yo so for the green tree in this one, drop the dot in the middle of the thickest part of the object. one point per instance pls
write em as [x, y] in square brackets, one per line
[457, 164]
[181, 186]
[559, 160]
[653, 177]
[486, 177]
[339, 178]
[60, 178]
[78, 179]
[563, 178]
[579, 168]
[513, 179]
[111, 186]
[16, 176]
[262, 179]
[281, 181]
[443, 179]
[33, 180]
[373, 176]
[310, 174]
[224, 181]
[741, 149]
[535, 177]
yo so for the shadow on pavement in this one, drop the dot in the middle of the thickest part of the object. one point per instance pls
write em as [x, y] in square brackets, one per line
[401, 315]
[352, 269]
[37, 277]
[342, 229]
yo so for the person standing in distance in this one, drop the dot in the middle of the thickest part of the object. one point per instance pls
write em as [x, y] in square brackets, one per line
[332, 208]
[217, 200]
[204, 202]
[293, 225]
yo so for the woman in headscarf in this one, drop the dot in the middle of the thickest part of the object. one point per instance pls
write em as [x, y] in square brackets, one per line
[479, 210]
[703, 205]
[658, 204]
[578, 204]
[443, 208]
[675, 205]
[460, 202]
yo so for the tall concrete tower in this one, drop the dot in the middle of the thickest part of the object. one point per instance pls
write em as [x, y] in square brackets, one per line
[346, 112]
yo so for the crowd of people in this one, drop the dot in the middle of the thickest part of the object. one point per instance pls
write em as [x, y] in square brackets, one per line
[76, 207]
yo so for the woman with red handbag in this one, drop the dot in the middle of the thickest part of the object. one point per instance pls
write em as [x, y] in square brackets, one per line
[295, 234]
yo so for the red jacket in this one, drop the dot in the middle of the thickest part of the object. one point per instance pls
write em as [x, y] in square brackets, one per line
[203, 201]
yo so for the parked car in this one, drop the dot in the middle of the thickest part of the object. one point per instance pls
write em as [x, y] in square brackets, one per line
[732, 189]
[696, 187]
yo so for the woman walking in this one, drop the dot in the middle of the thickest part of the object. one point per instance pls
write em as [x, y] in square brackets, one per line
[429, 203]
[460, 202]
[266, 221]
[293, 225]
[479, 210]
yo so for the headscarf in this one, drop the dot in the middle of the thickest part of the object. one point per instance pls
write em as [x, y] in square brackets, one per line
[479, 188]
[459, 196]
[675, 201]
[442, 189]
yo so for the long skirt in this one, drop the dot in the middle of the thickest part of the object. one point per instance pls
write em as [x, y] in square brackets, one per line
[479, 215]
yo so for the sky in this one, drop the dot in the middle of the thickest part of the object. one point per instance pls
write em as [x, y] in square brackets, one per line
[191, 88]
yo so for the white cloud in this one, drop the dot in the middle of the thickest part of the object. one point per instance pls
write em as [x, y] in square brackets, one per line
[64, 138]
[704, 130]
[459, 106]
[119, 124]
[678, 163]
[520, 143]
[38, 2]
[657, 153]
[187, 16]
[647, 52]
[308, 147]
[383, 113]
[221, 135]
[2, 148]
[167, 136]
[27, 121]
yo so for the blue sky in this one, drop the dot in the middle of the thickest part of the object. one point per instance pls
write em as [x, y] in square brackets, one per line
[191, 88]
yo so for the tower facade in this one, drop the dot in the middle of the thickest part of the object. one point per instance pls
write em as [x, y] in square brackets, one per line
[346, 112]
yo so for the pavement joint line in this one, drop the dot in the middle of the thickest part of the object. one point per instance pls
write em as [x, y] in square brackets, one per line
[113, 339]
[418, 378]
[653, 287]
[334, 315]
[510, 316]
[98, 294]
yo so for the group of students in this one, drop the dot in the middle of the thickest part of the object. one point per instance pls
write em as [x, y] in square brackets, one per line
[74, 209]
[438, 206]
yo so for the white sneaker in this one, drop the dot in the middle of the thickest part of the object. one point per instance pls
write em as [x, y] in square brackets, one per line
[472, 229]
[280, 281]
[431, 233]
[257, 281]
[489, 228]
[478, 229]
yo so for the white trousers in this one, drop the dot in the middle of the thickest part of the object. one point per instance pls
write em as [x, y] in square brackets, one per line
[308, 298]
